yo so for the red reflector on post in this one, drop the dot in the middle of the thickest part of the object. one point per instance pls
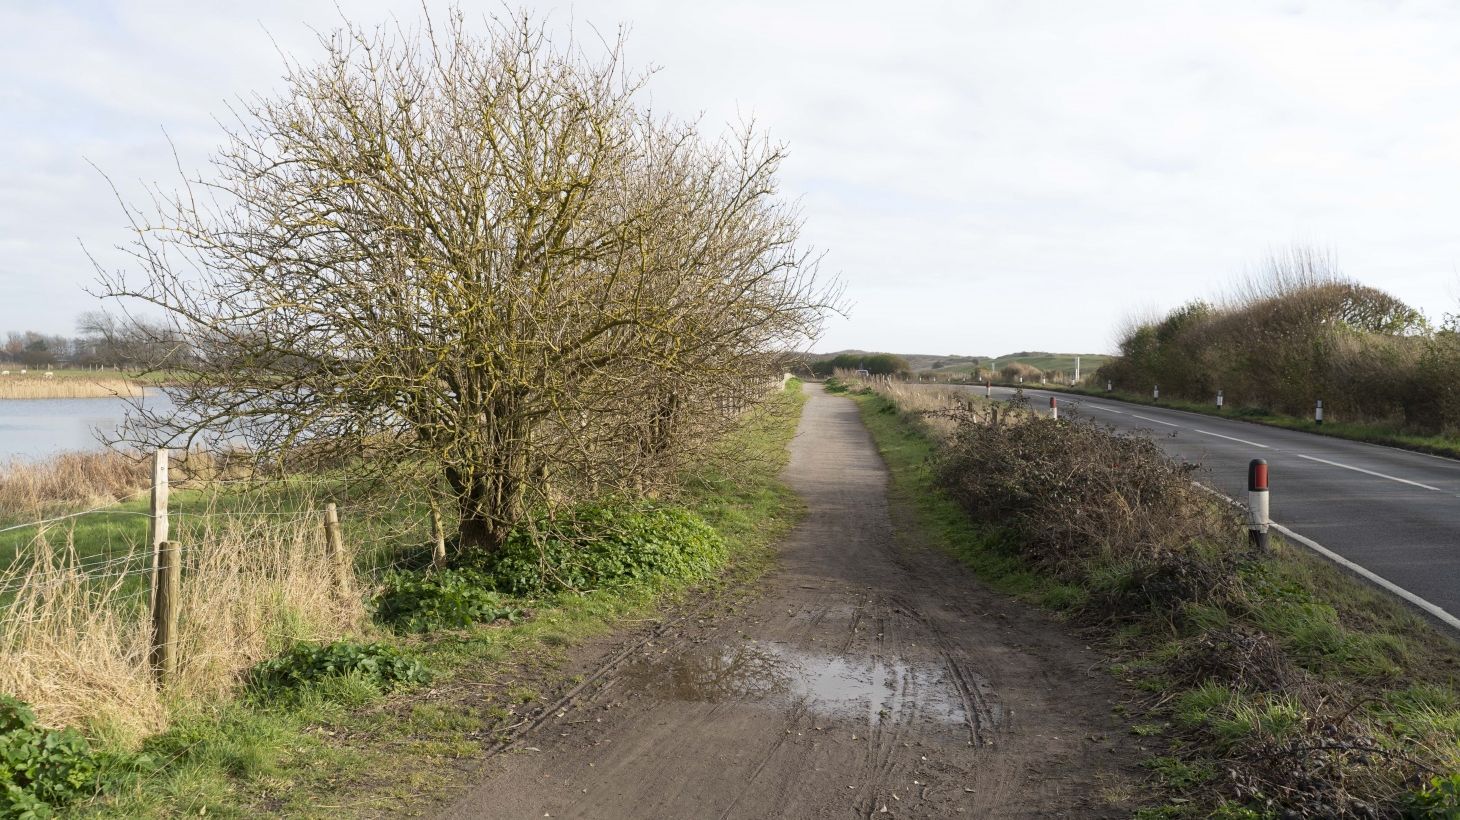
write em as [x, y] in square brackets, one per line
[1257, 475]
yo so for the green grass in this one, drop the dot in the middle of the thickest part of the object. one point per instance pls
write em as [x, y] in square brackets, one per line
[1371, 433]
[1366, 650]
[336, 749]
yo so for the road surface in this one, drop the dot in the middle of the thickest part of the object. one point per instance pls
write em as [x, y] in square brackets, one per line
[1394, 512]
[866, 677]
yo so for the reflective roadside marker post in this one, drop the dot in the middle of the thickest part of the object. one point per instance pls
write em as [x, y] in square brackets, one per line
[1107, 387]
[988, 388]
[1257, 505]
[1219, 400]
[1156, 392]
[1318, 413]
[1054, 409]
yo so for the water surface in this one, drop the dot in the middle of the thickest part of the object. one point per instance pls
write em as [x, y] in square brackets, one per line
[34, 429]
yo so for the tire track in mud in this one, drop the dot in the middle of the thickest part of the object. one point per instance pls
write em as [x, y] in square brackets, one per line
[861, 679]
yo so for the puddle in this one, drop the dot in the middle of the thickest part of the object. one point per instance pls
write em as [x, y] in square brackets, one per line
[869, 688]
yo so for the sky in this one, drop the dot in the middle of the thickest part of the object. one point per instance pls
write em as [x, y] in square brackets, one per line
[984, 177]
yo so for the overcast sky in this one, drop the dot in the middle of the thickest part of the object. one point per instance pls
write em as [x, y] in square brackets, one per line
[985, 176]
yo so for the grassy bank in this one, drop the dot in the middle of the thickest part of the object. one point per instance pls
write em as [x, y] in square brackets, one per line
[1385, 434]
[1282, 686]
[346, 746]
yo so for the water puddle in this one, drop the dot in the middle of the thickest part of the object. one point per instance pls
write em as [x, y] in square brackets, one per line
[870, 688]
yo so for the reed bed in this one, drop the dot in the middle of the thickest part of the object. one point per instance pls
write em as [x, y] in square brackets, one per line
[74, 640]
[76, 479]
[32, 387]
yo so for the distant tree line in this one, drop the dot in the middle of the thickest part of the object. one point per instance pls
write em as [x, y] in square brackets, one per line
[1299, 334]
[102, 340]
[877, 364]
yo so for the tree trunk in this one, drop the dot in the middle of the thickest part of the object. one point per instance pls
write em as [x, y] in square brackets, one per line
[477, 535]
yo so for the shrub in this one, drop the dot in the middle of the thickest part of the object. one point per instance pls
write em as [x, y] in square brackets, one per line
[45, 769]
[605, 545]
[446, 599]
[384, 666]
[1073, 491]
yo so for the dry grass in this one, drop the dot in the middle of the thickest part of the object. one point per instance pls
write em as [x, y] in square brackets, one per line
[931, 403]
[75, 646]
[70, 480]
[31, 387]
[78, 480]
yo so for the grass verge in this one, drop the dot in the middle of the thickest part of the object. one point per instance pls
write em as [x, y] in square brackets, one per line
[340, 746]
[1283, 686]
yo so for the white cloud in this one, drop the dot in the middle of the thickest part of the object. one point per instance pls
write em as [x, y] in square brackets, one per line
[987, 176]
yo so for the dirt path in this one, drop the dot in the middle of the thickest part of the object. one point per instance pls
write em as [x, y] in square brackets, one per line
[866, 679]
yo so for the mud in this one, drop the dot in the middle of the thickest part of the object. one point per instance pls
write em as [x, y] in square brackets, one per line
[866, 677]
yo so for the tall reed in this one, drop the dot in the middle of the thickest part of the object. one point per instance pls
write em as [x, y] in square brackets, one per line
[27, 387]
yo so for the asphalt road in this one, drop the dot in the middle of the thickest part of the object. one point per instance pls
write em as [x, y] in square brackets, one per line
[1393, 512]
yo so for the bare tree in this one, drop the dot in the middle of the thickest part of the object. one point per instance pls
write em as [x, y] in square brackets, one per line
[477, 259]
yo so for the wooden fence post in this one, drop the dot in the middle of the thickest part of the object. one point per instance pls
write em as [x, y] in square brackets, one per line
[334, 544]
[157, 526]
[166, 570]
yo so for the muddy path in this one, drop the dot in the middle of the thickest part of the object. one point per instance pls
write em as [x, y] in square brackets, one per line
[866, 677]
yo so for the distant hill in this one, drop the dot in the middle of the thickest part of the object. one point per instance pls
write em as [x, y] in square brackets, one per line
[958, 364]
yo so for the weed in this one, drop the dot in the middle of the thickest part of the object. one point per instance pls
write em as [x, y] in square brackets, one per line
[381, 665]
[42, 769]
[445, 599]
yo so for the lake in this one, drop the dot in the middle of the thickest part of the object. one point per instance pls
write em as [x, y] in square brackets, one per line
[34, 429]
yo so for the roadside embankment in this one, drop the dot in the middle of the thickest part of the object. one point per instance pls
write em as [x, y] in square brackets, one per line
[1286, 687]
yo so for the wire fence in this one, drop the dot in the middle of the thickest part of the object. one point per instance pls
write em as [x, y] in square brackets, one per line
[39, 565]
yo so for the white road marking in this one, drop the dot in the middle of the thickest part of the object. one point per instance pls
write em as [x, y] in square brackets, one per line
[1148, 418]
[1230, 438]
[1434, 611]
[1384, 583]
[1368, 472]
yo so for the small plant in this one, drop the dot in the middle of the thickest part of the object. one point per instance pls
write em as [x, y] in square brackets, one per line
[45, 769]
[384, 666]
[1439, 799]
[447, 599]
[606, 545]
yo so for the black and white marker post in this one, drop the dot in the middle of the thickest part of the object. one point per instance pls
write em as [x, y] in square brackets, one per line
[1257, 507]
[1156, 392]
[1054, 409]
[1318, 413]
[1219, 400]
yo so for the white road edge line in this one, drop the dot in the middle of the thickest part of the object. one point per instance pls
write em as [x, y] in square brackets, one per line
[1230, 438]
[1368, 472]
[1383, 583]
[1148, 418]
[1439, 614]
